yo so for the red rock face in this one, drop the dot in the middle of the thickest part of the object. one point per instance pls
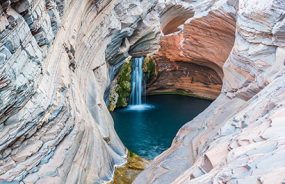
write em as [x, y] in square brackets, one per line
[185, 77]
[196, 55]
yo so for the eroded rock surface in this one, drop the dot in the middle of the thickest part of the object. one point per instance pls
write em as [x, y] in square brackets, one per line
[57, 59]
[191, 60]
[184, 78]
[240, 137]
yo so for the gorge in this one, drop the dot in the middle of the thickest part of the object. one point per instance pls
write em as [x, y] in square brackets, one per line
[62, 60]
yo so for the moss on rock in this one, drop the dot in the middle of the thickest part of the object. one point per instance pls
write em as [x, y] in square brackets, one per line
[113, 98]
[120, 92]
[149, 68]
[127, 173]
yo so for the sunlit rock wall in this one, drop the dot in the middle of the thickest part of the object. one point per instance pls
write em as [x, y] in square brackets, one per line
[193, 53]
[240, 137]
[57, 59]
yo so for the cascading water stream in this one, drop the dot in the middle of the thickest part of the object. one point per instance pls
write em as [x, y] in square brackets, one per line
[137, 81]
[138, 86]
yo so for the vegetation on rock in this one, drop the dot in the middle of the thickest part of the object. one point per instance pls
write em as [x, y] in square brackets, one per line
[127, 173]
[149, 69]
[120, 92]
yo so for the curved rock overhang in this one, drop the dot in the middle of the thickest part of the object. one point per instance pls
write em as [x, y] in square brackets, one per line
[174, 15]
[205, 40]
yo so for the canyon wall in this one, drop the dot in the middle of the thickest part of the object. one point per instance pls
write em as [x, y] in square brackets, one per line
[178, 77]
[57, 59]
[240, 137]
[190, 60]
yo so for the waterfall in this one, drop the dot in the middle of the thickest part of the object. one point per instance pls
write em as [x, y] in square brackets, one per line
[137, 82]
[137, 103]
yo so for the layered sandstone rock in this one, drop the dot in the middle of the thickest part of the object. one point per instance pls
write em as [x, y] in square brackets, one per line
[173, 15]
[184, 78]
[240, 137]
[191, 60]
[57, 59]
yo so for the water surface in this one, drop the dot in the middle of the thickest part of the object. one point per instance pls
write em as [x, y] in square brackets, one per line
[149, 129]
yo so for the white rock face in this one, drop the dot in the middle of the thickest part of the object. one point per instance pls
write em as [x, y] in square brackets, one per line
[240, 137]
[55, 58]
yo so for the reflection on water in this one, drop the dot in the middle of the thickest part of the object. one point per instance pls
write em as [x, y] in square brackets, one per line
[149, 129]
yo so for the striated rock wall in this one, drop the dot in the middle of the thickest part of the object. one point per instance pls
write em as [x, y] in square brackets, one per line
[240, 137]
[57, 59]
[196, 54]
[185, 78]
